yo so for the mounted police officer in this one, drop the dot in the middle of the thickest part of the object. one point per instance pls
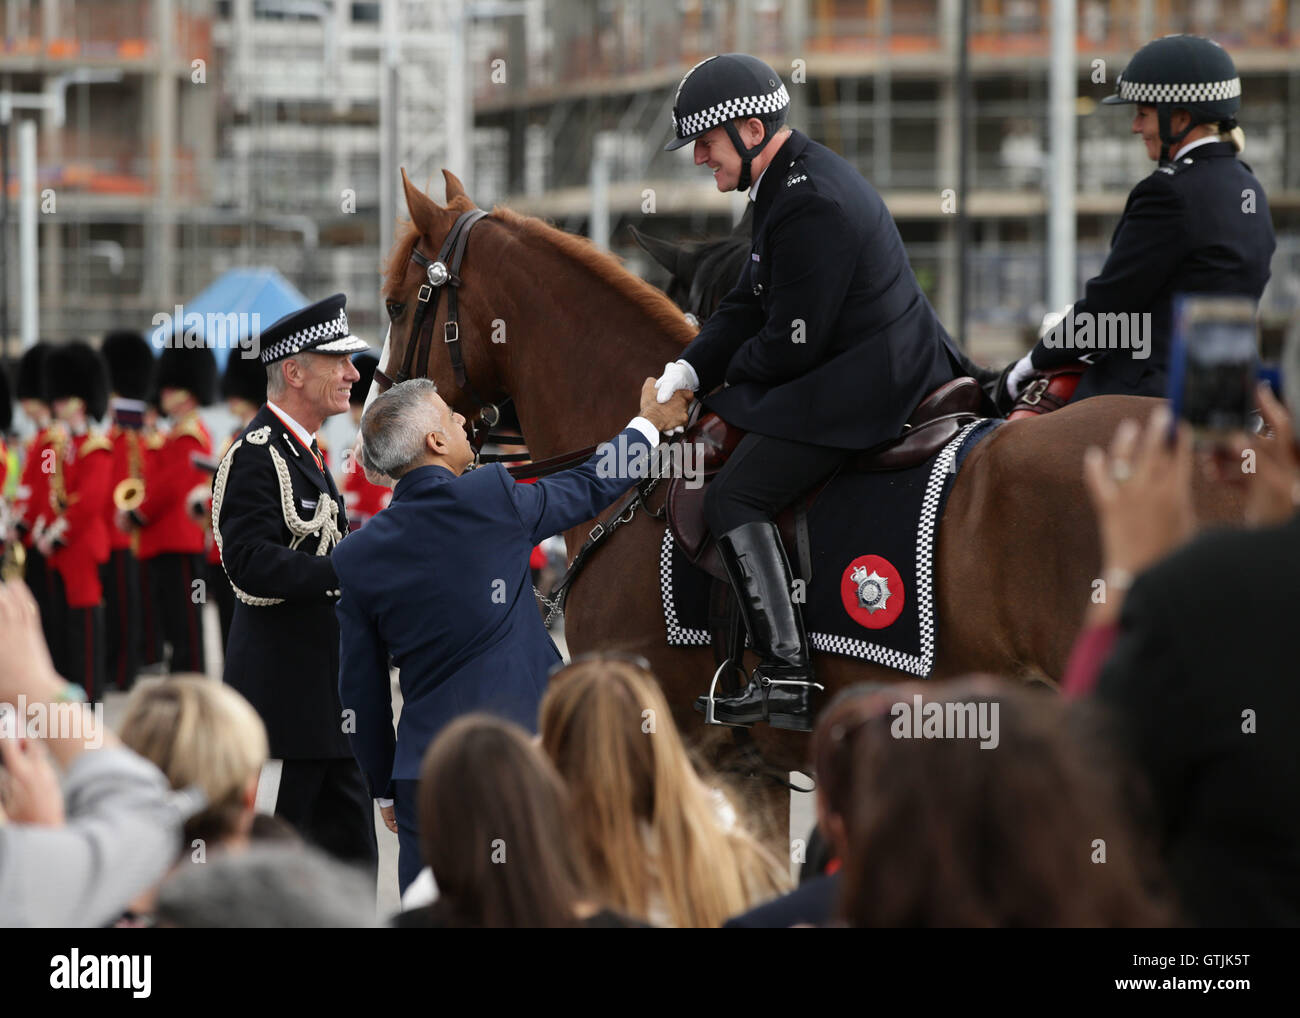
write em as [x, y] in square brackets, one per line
[1198, 224]
[277, 516]
[826, 345]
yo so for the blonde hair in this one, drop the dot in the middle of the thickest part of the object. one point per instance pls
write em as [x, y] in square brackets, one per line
[606, 725]
[202, 733]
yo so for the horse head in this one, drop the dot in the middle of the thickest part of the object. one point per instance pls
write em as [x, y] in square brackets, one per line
[700, 272]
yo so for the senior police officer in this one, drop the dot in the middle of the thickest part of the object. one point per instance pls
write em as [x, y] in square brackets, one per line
[277, 516]
[826, 345]
[1199, 224]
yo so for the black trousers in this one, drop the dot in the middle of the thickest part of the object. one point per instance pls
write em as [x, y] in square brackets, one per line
[46, 585]
[83, 649]
[762, 477]
[406, 810]
[151, 629]
[180, 609]
[120, 576]
[330, 805]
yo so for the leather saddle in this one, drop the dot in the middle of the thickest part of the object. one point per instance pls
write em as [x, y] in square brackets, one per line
[935, 422]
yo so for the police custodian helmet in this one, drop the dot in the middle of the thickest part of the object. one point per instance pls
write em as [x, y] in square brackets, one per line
[1182, 72]
[722, 89]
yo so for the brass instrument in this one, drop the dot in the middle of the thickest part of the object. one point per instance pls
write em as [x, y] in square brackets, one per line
[129, 493]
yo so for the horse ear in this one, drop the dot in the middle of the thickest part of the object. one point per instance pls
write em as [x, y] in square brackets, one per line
[455, 189]
[424, 210]
[665, 252]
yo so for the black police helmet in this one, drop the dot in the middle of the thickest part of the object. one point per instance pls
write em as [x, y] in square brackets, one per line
[724, 88]
[1184, 72]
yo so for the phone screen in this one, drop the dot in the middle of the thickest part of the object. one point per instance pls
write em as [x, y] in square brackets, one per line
[1214, 364]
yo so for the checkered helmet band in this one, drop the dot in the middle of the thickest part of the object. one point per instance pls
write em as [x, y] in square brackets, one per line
[731, 109]
[1154, 93]
[307, 339]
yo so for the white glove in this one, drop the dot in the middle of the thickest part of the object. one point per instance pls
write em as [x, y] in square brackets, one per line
[677, 375]
[1019, 377]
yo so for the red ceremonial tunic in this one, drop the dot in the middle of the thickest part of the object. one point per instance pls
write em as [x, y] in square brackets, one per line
[171, 474]
[83, 544]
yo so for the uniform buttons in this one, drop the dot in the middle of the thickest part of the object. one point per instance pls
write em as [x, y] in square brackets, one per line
[758, 289]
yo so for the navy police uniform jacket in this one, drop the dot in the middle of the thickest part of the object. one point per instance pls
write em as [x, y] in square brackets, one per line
[284, 658]
[1197, 225]
[827, 337]
[440, 581]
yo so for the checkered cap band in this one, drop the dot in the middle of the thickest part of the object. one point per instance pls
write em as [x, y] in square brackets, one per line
[1191, 92]
[730, 109]
[307, 339]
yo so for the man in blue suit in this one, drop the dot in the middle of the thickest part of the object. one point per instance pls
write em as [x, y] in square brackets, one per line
[440, 581]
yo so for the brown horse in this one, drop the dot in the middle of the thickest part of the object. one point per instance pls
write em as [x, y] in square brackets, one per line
[569, 334]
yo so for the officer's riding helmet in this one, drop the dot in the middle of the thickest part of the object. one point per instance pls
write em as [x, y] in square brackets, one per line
[1182, 72]
[725, 88]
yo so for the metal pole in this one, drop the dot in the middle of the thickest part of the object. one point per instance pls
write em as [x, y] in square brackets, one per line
[964, 86]
[599, 229]
[1062, 87]
[27, 264]
[459, 118]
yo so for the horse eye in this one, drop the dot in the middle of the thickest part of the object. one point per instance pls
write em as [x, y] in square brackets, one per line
[395, 310]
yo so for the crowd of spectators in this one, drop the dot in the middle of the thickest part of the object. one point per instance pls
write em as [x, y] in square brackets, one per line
[1143, 793]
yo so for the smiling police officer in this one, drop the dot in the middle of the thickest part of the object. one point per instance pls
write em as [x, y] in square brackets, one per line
[826, 345]
[1199, 224]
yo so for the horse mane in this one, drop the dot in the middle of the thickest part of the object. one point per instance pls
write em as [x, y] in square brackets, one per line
[606, 267]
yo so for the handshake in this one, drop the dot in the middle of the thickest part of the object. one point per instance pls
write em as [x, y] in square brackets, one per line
[666, 416]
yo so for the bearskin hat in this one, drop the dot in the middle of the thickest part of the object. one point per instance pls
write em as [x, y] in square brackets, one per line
[192, 369]
[76, 369]
[365, 363]
[31, 372]
[130, 362]
[245, 378]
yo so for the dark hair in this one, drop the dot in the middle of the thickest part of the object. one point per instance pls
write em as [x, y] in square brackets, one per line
[943, 832]
[493, 829]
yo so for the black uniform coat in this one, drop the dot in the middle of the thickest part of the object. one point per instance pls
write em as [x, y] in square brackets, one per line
[284, 658]
[1187, 228]
[1205, 636]
[827, 338]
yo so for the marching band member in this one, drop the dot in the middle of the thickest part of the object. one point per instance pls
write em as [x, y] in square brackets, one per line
[131, 365]
[76, 542]
[169, 538]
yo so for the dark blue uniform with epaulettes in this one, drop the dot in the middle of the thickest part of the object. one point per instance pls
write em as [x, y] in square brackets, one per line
[1197, 225]
[827, 343]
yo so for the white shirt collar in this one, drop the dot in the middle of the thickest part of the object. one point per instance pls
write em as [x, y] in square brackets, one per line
[753, 188]
[303, 436]
[1195, 144]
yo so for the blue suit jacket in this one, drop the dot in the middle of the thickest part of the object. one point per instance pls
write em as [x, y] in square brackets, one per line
[440, 581]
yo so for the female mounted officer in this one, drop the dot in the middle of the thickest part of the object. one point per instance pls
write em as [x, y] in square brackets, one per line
[826, 345]
[1199, 224]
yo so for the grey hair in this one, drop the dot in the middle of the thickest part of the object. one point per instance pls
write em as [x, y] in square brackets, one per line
[275, 383]
[395, 425]
[267, 887]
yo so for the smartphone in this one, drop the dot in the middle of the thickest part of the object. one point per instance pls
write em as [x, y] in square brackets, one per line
[1214, 364]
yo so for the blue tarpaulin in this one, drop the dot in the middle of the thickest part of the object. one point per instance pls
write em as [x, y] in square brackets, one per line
[240, 304]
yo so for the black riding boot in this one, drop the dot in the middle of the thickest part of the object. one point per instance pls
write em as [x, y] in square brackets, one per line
[781, 688]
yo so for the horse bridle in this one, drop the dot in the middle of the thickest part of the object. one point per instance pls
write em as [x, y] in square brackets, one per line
[444, 272]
